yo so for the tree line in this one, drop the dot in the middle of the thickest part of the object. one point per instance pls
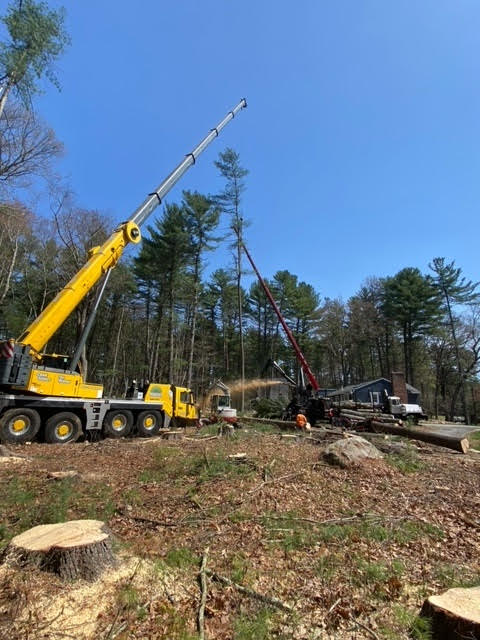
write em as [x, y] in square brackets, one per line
[164, 317]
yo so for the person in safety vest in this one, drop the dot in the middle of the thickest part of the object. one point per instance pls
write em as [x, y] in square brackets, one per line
[302, 422]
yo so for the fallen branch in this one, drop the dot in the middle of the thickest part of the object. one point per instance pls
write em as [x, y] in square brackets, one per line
[202, 576]
[273, 602]
[367, 629]
[365, 516]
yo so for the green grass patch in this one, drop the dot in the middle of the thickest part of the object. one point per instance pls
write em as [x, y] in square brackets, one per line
[450, 576]
[202, 467]
[406, 624]
[253, 627]
[407, 461]
[293, 533]
[475, 439]
[181, 558]
[327, 566]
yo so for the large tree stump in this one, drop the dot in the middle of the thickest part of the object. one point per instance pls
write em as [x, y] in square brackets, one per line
[454, 614]
[72, 550]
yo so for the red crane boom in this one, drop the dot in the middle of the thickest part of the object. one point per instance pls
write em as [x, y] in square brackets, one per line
[301, 358]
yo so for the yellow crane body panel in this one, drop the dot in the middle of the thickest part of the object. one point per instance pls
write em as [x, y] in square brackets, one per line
[46, 382]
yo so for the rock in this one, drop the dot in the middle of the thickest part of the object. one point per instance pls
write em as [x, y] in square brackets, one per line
[454, 614]
[350, 451]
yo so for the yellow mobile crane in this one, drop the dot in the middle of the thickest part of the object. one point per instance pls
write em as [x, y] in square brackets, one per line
[38, 390]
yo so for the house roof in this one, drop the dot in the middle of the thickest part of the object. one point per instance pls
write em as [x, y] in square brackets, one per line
[353, 387]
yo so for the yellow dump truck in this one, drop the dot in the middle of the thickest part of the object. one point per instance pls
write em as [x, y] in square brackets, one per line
[46, 393]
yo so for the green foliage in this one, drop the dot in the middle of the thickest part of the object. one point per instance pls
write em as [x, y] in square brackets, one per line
[267, 408]
[37, 38]
[412, 303]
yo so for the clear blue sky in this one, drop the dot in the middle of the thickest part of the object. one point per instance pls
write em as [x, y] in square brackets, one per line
[361, 134]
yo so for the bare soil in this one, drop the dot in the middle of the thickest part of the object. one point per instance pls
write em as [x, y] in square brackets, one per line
[353, 553]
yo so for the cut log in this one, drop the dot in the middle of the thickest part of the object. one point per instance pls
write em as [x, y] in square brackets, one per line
[454, 614]
[289, 437]
[457, 443]
[72, 550]
[62, 475]
[238, 458]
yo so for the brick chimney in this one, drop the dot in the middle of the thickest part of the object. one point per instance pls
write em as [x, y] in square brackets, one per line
[399, 387]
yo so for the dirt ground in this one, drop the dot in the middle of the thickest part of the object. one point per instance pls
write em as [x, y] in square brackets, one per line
[319, 551]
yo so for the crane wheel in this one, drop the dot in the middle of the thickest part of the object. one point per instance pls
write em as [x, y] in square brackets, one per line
[117, 423]
[149, 423]
[19, 425]
[62, 428]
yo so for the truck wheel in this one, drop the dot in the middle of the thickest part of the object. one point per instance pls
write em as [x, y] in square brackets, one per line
[149, 423]
[117, 423]
[63, 427]
[19, 425]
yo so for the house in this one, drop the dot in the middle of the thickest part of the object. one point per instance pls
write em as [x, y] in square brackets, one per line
[373, 391]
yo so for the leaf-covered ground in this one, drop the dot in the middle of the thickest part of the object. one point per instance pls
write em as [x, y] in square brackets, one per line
[353, 553]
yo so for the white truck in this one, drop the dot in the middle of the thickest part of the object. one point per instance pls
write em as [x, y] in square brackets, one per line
[404, 411]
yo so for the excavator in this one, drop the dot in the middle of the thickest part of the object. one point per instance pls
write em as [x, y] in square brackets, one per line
[306, 399]
[47, 393]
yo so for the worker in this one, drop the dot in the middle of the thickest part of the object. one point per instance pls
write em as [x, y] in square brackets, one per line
[302, 422]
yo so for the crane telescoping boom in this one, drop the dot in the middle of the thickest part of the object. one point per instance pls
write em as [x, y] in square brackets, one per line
[15, 370]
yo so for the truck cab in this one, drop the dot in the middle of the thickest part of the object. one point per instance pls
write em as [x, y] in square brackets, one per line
[178, 403]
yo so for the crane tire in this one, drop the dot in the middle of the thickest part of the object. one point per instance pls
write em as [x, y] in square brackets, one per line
[117, 423]
[149, 423]
[62, 428]
[19, 425]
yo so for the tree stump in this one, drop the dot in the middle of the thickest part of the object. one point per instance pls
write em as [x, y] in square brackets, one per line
[172, 435]
[72, 550]
[454, 614]
[225, 429]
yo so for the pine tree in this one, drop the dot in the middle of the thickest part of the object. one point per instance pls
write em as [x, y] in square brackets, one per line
[454, 290]
[37, 38]
[230, 202]
[411, 301]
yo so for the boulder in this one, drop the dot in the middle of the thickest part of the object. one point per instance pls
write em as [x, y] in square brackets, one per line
[350, 451]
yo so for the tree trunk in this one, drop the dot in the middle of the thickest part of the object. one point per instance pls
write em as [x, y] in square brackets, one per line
[443, 440]
[458, 358]
[240, 320]
[194, 321]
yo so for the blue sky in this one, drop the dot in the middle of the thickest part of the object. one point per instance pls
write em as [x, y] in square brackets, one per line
[361, 135]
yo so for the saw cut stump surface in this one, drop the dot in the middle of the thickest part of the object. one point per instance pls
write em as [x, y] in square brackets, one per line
[72, 550]
[455, 614]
